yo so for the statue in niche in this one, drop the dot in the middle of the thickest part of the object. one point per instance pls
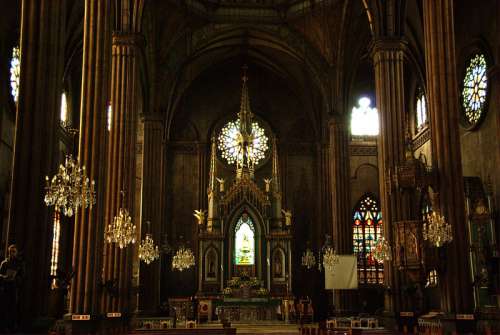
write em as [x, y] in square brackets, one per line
[211, 266]
[278, 265]
[268, 184]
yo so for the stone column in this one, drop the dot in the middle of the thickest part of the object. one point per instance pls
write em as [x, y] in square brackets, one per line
[30, 221]
[443, 108]
[340, 197]
[121, 164]
[88, 231]
[152, 203]
[387, 56]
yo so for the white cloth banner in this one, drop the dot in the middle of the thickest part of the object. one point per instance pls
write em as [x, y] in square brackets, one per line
[344, 275]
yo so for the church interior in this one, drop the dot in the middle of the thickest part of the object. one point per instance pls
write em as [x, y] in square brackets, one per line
[250, 166]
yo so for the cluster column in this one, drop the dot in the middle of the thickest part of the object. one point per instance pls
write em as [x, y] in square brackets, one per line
[30, 221]
[388, 61]
[152, 200]
[442, 95]
[120, 174]
[340, 201]
[88, 233]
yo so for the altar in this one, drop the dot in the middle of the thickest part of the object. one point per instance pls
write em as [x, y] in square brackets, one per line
[244, 236]
[248, 310]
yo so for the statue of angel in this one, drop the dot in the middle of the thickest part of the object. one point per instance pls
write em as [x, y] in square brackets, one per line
[268, 184]
[288, 217]
[200, 216]
[221, 184]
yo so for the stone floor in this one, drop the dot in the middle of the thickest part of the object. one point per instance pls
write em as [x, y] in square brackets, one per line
[274, 328]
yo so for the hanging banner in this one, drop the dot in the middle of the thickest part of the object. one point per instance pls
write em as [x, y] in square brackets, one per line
[344, 275]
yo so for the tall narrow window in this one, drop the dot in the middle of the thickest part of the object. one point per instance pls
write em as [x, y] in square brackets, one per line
[367, 229]
[421, 109]
[64, 110]
[244, 241]
[54, 259]
[109, 116]
[474, 90]
[364, 119]
[15, 70]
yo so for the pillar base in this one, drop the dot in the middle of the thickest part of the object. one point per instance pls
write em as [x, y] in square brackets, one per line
[389, 321]
[451, 325]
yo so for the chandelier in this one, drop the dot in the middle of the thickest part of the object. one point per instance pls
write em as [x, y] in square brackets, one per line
[436, 230]
[308, 259]
[382, 250]
[183, 259]
[148, 252]
[330, 258]
[122, 230]
[70, 188]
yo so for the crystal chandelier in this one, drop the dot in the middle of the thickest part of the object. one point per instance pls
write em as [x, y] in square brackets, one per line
[121, 231]
[308, 259]
[330, 258]
[382, 250]
[70, 188]
[183, 259]
[436, 230]
[148, 252]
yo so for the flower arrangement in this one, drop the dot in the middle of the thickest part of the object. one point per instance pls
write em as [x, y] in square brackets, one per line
[262, 291]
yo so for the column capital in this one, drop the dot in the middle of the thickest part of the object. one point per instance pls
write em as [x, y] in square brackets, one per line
[382, 44]
[128, 39]
[338, 120]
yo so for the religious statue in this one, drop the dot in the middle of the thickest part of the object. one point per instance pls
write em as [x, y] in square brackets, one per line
[278, 270]
[221, 184]
[200, 216]
[288, 217]
[268, 184]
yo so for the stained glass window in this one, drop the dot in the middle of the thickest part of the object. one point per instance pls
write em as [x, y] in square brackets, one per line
[229, 143]
[244, 241]
[421, 109]
[474, 89]
[367, 229]
[364, 119]
[15, 70]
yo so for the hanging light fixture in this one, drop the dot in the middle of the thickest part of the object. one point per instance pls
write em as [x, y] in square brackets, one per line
[122, 230]
[148, 251]
[183, 259]
[436, 230]
[308, 259]
[70, 188]
[330, 257]
[382, 250]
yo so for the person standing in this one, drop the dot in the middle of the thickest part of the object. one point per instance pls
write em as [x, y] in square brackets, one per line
[11, 274]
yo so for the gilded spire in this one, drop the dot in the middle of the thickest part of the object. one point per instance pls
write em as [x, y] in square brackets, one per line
[245, 115]
[245, 136]
[213, 152]
[276, 174]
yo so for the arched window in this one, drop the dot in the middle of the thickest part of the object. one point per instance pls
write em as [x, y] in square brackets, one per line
[364, 119]
[15, 70]
[474, 90]
[367, 229]
[421, 109]
[64, 110]
[244, 241]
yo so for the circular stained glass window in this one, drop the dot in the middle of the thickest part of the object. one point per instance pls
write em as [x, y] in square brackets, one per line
[229, 143]
[474, 91]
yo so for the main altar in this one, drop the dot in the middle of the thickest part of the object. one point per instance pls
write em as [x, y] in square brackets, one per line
[244, 238]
